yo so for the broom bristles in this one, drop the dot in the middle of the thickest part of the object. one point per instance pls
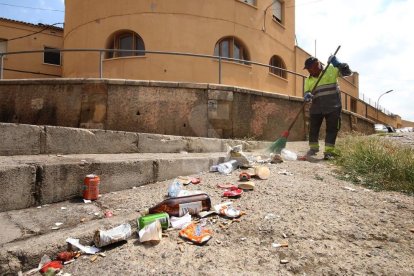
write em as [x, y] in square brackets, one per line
[278, 145]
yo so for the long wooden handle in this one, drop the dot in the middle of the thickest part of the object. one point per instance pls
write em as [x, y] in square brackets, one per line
[313, 90]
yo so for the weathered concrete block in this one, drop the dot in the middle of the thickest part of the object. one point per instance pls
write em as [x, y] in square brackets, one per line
[18, 139]
[168, 169]
[196, 144]
[161, 143]
[89, 141]
[17, 186]
[65, 181]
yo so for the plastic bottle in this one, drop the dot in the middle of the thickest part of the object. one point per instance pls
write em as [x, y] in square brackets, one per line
[227, 167]
[179, 206]
[174, 188]
[288, 155]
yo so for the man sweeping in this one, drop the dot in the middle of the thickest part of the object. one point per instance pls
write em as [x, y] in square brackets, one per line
[326, 102]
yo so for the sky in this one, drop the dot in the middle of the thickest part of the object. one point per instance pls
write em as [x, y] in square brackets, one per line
[374, 36]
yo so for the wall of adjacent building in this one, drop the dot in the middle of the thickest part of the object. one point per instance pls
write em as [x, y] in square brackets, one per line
[29, 65]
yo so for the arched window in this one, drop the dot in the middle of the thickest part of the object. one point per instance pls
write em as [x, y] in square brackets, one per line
[276, 61]
[231, 47]
[125, 40]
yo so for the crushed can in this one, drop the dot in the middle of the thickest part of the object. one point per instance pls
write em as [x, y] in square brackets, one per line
[91, 187]
[163, 218]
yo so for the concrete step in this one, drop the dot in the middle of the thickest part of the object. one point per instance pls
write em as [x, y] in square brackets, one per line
[32, 180]
[21, 139]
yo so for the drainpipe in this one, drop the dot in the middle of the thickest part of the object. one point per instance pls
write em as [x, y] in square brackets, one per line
[264, 17]
[1, 66]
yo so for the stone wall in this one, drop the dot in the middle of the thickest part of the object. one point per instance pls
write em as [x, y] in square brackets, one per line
[185, 109]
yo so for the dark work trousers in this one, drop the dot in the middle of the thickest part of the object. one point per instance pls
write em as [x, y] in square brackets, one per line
[333, 124]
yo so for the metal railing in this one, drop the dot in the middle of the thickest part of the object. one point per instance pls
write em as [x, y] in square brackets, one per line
[102, 53]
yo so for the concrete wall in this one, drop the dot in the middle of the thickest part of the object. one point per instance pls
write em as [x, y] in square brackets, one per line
[198, 110]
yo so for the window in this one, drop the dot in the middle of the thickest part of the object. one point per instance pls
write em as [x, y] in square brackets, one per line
[231, 47]
[3, 45]
[250, 2]
[125, 40]
[278, 11]
[276, 61]
[52, 56]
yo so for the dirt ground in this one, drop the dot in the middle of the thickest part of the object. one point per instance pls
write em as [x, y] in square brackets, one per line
[332, 227]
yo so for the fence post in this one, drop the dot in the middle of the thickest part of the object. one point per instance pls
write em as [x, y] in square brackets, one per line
[219, 69]
[101, 53]
[1, 66]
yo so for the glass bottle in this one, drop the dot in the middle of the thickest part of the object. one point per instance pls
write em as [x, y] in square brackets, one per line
[179, 206]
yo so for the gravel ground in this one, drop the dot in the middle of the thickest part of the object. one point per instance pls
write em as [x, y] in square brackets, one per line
[332, 227]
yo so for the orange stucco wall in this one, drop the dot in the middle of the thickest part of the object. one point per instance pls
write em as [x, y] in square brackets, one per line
[29, 65]
[193, 27]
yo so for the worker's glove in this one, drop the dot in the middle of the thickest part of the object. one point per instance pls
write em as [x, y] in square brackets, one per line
[344, 69]
[334, 61]
[307, 97]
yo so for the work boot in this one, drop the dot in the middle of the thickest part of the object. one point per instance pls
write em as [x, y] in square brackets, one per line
[312, 152]
[329, 156]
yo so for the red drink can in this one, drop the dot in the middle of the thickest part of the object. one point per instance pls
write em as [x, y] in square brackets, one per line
[91, 187]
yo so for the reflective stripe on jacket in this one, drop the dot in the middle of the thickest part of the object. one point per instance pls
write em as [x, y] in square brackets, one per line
[327, 96]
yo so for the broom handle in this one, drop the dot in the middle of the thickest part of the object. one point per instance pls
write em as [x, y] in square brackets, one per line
[313, 90]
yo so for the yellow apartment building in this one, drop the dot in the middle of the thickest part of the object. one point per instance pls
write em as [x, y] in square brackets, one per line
[249, 35]
[16, 36]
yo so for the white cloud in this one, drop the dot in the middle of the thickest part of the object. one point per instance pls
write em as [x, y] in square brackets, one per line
[375, 39]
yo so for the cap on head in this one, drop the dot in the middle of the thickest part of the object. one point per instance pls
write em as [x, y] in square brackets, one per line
[309, 61]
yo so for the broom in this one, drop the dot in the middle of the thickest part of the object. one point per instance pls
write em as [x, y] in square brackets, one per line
[280, 143]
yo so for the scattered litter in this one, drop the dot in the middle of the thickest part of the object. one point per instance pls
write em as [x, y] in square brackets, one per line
[243, 239]
[180, 222]
[288, 155]
[93, 258]
[249, 185]
[66, 256]
[102, 254]
[38, 207]
[134, 187]
[204, 214]
[96, 214]
[55, 228]
[195, 180]
[196, 234]
[91, 187]
[350, 189]
[184, 180]
[183, 152]
[285, 172]
[151, 232]
[87, 201]
[108, 214]
[82, 219]
[412, 230]
[284, 261]
[84, 248]
[244, 176]
[230, 212]
[63, 208]
[276, 159]
[218, 241]
[106, 237]
[236, 153]
[233, 192]
[163, 218]
[262, 172]
[174, 188]
[227, 167]
[284, 235]
[58, 223]
[51, 268]
[271, 216]
[277, 245]
[203, 222]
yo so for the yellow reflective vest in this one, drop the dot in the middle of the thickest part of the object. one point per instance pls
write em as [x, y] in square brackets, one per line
[326, 96]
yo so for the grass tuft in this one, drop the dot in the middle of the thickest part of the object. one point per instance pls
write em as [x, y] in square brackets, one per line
[377, 163]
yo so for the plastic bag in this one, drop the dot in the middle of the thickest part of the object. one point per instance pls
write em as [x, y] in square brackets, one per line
[196, 233]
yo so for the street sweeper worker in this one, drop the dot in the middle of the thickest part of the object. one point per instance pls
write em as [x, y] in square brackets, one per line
[325, 102]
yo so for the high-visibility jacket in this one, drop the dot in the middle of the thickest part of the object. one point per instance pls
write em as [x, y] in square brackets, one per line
[327, 96]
